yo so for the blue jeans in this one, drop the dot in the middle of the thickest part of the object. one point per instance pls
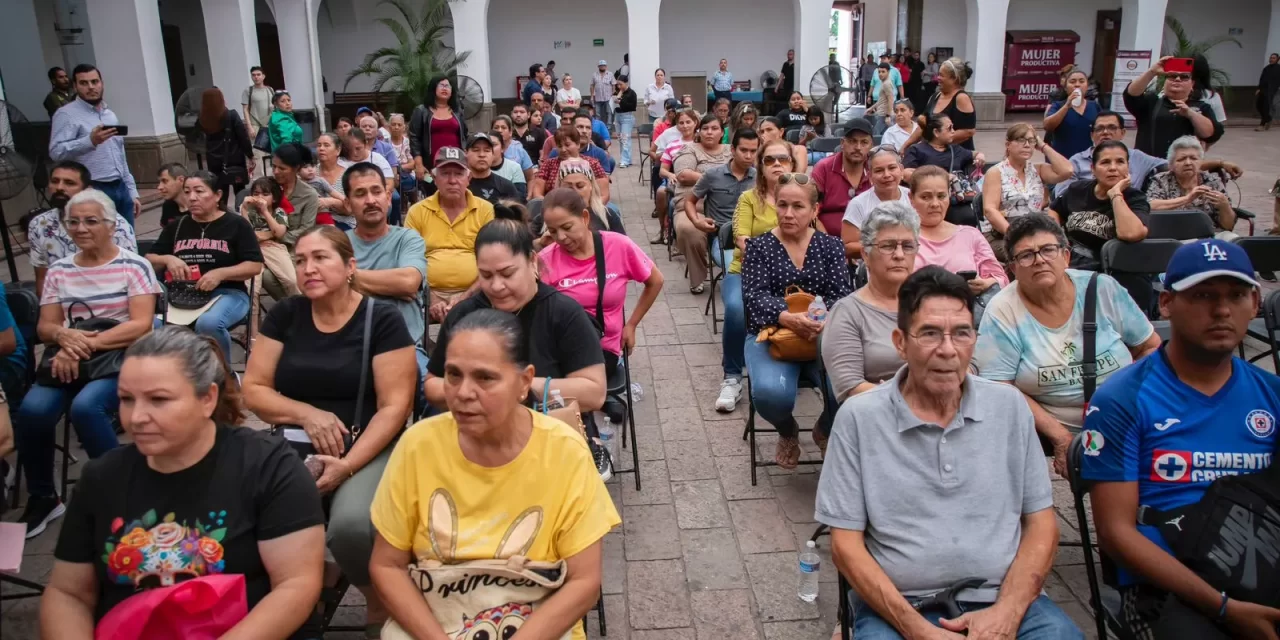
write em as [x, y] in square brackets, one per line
[393, 216]
[420, 406]
[774, 385]
[90, 413]
[734, 335]
[625, 122]
[230, 309]
[119, 194]
[1042, 621]
[604, 109]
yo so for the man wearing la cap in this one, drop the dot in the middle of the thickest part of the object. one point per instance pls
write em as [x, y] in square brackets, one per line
[448, 222]
[484, 182]
[1160, 431]
[838, 173]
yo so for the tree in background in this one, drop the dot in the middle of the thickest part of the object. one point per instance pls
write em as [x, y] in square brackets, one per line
[1183, 46]
[420, 55]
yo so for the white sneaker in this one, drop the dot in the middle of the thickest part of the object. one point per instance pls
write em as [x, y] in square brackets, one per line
[730, 391]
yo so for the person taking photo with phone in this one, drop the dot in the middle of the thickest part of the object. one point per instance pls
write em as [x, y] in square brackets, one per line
[1165, 118]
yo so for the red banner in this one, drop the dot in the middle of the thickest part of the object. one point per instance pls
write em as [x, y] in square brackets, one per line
[1028, 94]
[1037, 59]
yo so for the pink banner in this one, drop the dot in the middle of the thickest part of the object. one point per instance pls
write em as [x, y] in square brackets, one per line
[1028, 94]
[1037, 59]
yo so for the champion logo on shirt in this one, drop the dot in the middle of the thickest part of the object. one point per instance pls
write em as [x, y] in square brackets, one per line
[1170, 466]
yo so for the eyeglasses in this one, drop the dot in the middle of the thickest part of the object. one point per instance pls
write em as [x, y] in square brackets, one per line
[769, 161]
[798, 178]
[962, 337]
[1028, 142]
[1178, 76]
[1110, 128]
[890, 247]
[88, 223]
[1048, 253]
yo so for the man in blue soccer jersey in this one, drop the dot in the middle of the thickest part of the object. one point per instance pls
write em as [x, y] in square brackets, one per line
[1160, 431]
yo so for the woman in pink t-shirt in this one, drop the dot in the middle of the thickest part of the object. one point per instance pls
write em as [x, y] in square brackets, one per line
[569, 265]
[955, 248]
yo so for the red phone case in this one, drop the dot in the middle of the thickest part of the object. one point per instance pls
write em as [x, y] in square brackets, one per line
[1178, 65]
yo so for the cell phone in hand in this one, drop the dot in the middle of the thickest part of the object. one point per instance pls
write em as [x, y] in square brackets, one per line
[121, 130]
[1178, 65]
[967, 275]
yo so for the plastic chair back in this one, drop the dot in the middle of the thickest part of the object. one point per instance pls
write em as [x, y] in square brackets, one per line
[1149, 256]
[824, 145]
[1190, 224]
[792, 136]
[1264, 251]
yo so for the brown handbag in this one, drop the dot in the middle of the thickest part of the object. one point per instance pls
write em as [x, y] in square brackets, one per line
[784, 344]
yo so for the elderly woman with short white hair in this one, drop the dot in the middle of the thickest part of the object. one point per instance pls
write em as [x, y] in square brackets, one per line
[96, 301]
[1186, 186]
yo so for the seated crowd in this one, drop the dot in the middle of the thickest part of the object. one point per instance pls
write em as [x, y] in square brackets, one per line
[958, 305]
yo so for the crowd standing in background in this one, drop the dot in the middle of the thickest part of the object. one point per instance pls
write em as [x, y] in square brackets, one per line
[943, 305]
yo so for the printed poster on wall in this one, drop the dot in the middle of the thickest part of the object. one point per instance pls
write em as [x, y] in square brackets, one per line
[1129, 65]
[1041, 60]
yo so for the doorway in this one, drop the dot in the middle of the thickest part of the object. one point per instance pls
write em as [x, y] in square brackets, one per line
[174, 61]
[1106, 41]
[269, 55]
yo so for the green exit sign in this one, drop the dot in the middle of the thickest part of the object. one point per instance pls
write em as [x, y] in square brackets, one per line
[598, 42]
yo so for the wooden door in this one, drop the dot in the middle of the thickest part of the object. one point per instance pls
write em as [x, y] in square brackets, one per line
[269, 55]
[174, 61]
[1106, 42]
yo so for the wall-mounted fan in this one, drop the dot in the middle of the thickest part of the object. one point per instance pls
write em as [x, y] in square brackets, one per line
[186, 120]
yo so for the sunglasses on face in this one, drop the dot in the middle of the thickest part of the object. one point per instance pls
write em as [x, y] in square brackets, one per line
[769, 161]
[798, 178]
[1183, 77]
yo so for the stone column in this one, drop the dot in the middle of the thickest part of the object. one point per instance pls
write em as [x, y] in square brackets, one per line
[1142, 26]
[813, 26]
[986, 29]
[232, 32]
[642, 44]
[136, 79]
[296, 24]
[471, 33]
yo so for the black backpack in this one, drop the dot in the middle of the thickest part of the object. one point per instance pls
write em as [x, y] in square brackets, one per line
[1231, 537]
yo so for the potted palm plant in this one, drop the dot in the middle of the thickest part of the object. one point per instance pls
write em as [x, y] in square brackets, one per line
[1182, 46]
[419, 55]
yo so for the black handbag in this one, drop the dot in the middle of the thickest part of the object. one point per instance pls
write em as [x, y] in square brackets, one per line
[297, 436]
[102, 364]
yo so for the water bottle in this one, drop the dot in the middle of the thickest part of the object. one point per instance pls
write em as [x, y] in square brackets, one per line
[556, 401]
[608, 439]
[818, 310]
[810, 563]
[637, 392]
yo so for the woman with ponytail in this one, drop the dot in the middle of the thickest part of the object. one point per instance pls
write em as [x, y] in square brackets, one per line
[194, 496]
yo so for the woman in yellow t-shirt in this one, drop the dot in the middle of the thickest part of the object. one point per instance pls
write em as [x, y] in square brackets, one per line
[494, 460]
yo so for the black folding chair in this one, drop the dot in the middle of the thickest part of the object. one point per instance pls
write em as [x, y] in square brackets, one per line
[824, 145]
[792, 136]
[1187, 224]
[1135, 264]
[1103, 598]
[718, 272]
[829, 406]
[619, 404]
[1264, 253]
[644, 131]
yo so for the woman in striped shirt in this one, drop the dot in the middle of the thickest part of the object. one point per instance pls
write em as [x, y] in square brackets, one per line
[100, 280]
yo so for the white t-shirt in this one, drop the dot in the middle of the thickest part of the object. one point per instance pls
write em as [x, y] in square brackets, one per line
[571, 97]
[375, 158]
[860, 207]
[897, 136]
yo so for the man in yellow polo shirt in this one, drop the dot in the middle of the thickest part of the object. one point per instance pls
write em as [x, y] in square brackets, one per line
[448, 222]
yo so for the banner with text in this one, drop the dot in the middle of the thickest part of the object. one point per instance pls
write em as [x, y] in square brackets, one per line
[1129, 66]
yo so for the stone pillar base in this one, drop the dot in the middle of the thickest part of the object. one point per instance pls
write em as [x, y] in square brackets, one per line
[482, 121]
[989, 108]
[146, 154]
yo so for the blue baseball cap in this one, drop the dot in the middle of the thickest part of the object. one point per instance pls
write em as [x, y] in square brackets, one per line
[1202, 260]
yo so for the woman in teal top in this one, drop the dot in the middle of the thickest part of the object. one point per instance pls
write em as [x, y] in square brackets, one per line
[283, 128]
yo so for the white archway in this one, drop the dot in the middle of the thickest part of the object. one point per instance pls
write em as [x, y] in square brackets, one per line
[522, 33]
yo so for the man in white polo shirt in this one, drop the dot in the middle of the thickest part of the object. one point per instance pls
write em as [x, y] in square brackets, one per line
[935, 477]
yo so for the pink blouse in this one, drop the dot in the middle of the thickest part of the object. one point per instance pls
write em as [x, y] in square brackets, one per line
[965, 250]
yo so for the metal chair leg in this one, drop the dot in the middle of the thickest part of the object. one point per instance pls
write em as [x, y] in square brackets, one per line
[751, 431]
[631, 423]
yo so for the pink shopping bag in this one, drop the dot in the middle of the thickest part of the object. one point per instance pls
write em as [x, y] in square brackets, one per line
[199, 609]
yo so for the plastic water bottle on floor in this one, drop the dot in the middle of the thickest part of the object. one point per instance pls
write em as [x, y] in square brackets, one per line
[608, 438]
[810, 563]
[818, 310]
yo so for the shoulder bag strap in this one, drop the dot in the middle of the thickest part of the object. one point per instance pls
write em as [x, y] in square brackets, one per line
[1090, 363]
[365, 365]
[599, 245]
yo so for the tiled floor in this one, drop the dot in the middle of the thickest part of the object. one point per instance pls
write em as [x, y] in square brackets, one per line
[702, 553]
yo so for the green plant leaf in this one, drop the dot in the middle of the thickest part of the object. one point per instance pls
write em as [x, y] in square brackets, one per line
[110, 547]
[149, 519]
[218, 534]
[420, 28]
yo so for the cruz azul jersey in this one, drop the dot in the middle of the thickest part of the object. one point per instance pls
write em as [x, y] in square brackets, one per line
[1147, 426]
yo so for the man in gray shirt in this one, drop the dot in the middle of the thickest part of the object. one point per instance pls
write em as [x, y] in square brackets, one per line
[391, 262]
[718, 190]
[936, 476]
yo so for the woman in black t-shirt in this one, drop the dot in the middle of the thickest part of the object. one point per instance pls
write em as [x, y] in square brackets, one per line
[194, 496]
[216, 250]
[305, 370]
[796, 115]
[1104, 208]
[937, 149]
[562, 343]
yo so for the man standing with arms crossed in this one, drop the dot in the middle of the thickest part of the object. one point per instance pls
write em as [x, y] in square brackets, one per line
[85, 130]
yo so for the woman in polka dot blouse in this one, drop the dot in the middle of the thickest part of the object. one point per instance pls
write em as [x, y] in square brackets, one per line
[794, 253]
